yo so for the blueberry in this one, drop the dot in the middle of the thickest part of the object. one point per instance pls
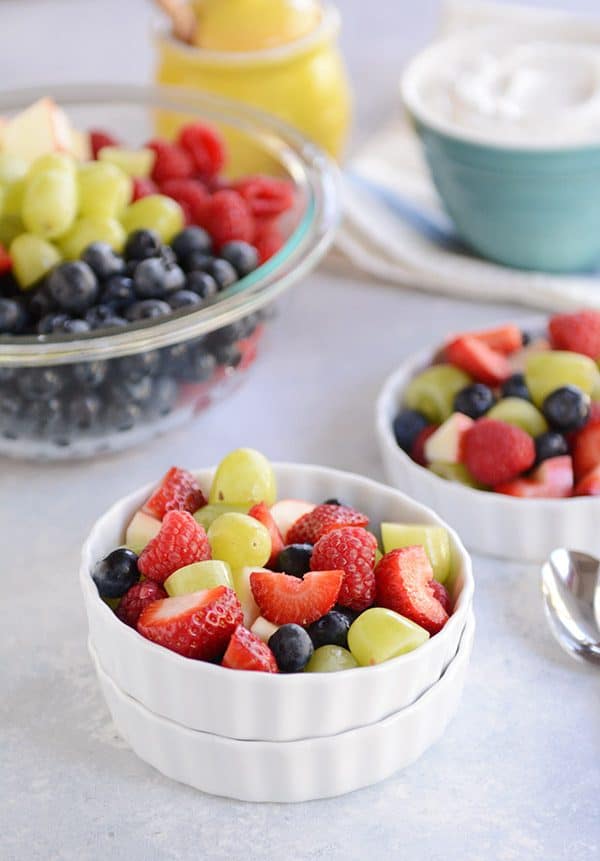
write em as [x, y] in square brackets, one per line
[330, 630]
[104, 317]
[226, 335]
[201, 367]
[196, 261]
[148, 309]
[84, 411]
[122, 416]
[550, 444]
[228, 356]
[407, 426]
[45, 418]
[184, 299]
[333, 500]
[7, 375]
[242, 256]
[566, 409]
[55, 323]
[12, 317]
[155, 279]
[116, 573]
[138, 391]
[474, 400]
[192, 240]
[526, 338]
[39, 383]
[516, 387]
[118, 291]
[41, 302]
[223, 273]
[73, 286]
[295, 559]
[168, 256]
[292, 648]
[164, 395]
[142, 244]
[139, 365]
[105, 262]
[203, 284]
[89, 375]
[10, 414]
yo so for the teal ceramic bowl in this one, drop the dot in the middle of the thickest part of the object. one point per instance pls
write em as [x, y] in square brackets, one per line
[528, 207]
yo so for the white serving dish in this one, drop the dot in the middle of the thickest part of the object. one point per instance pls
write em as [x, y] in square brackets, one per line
[525, 530]
[245, 705]
[293, 770]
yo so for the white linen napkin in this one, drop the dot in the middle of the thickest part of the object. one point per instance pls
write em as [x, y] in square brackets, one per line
[394, 227]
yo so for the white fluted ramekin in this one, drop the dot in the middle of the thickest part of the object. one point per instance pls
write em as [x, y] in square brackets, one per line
[294, 770]
[525, 530]
[245, 705]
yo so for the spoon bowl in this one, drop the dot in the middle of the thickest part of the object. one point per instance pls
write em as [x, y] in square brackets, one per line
[571, 590]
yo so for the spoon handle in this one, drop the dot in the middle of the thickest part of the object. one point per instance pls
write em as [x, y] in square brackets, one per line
[182, 18]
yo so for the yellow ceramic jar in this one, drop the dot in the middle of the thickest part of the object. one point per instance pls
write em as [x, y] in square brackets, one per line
[303, 82]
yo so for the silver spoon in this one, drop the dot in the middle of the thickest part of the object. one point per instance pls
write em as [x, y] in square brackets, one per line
[571, 589]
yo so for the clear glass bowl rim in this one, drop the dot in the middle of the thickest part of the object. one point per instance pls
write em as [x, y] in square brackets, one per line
[313, 172]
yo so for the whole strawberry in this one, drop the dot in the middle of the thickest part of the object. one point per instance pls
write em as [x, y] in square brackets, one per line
[322, 519]
[181, 541]
[496, 452]
[351, 549]
[137, 599]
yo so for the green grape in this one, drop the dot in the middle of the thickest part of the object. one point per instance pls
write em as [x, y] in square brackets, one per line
[330, 659]
[12, 168]
[49, 203]
[52, 161]
[141, 530]
[199, 576]
[243, 477]
[205, 516]
[521, 414]
[155, 212]
[133, 162]
[432, 392]
[32, 258]
[434, 539]
[239, 540]
[87, 230]
[104, 190]
[11, 226]
[548, 371]
[241, 584]
[13, 198]
[455, 472]
[595, 393]
[379, 635]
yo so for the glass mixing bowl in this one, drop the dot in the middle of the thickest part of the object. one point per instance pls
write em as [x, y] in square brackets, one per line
[73, 396]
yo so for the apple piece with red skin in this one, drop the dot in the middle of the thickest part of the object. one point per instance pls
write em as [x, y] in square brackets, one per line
[553, 479]
[589, 485]
[287, 511]
[445, 445]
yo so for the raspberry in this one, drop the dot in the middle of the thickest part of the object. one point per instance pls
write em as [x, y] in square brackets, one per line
[247, 652]
[178, 491]
[352, 549]
[405, 584]
[496, 452]
[227, 216]
[417, 451]
[322, 519]
[266, 196]
[284, 599]
[190, 194]
[579, 333]
[268, 240]
[205, 146]
[171, 161]
[99, 139]
[143, 187]
[181, 541]
[137, 599]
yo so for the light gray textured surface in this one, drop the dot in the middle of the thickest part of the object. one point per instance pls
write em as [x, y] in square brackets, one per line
[517, 775]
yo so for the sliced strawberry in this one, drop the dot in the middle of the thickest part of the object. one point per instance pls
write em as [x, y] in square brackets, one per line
[586, 450]
[503, 339]
[578, 333]
[441, 593]
[136, 599]
[483, 363]
[181, 541]
[589, 485]
[417, 451]
[351, 549]
[247, 652]
[262, 513]
[283, 599]
[198, 625]
[5, 260]
[323, 519]
[553, 479]
[178, 491]
[404, 585]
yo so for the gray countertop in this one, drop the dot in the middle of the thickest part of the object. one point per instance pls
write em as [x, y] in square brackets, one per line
[516, 775]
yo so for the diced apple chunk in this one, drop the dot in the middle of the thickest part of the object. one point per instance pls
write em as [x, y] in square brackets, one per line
[445, 444]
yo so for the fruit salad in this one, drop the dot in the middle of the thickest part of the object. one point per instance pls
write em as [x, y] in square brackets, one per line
[96, 235]
[512, 412]
[233, 575]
